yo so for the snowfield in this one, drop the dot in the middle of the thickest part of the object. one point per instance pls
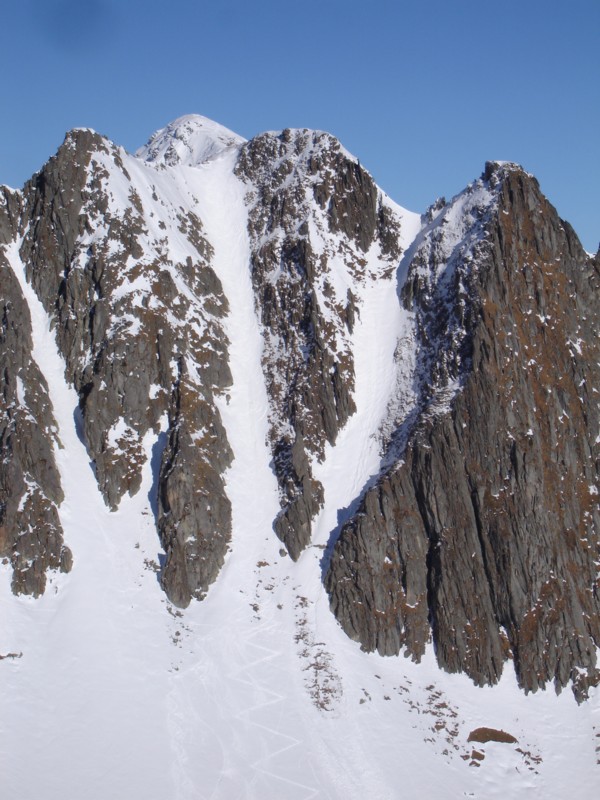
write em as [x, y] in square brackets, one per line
[108, 691]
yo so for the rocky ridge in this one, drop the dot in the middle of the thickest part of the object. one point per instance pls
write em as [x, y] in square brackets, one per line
[314, 215]
[483, 532]
[138, 323]
[480, 529]
[31, 534]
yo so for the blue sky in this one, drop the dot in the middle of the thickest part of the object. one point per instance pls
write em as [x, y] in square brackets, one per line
[422, 93]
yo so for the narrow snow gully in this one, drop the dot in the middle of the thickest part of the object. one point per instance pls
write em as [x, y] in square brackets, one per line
[245, 710]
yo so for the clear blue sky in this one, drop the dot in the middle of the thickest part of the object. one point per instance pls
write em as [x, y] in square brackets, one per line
[422, 92]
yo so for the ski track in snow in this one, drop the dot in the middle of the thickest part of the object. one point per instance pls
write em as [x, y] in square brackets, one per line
[255, 707]
[119, 695]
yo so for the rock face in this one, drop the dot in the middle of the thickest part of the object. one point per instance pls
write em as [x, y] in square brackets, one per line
[480, 529]
[482, 533]
[140, 329]
[31, 535]
[195, 513]
[315, 215]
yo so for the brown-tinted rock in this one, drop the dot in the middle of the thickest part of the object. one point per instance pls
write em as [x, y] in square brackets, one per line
[295, 241]
[490, 513]
[31, 534]
[194, 519]
[130, 320]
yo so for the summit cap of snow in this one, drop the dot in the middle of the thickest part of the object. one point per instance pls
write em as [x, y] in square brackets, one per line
[190, 140]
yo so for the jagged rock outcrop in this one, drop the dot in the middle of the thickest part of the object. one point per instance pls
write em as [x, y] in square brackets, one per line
[315, 217]
[480, 532]
[31, 535]
[10, 214]
[484, 531]
[195, 512]
[132, 314]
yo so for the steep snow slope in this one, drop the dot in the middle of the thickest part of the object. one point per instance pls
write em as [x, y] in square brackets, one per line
[255, 692]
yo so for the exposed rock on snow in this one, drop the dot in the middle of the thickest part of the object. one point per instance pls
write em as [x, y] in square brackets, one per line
[126, 277]
[480, 529]
[31, 534]
[248, 341]
[486, 525]
[314, 214]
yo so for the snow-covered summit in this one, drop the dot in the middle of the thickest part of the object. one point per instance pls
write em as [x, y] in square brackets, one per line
[190, 140]
[349, 430]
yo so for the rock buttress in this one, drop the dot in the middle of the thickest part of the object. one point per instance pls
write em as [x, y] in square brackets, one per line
[314, 214]
[484, 534]
[126, 278]
[31, 535]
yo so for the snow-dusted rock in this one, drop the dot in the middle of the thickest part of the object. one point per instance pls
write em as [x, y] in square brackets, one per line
[482, 530]
[479, 518]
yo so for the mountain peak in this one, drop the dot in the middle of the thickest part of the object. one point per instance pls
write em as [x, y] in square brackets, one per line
[236, 393]
[190, 140]
[500, 169]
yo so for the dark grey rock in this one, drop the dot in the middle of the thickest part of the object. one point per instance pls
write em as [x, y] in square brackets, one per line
[126, 349]
[483, 532]
[31, 535]
[480, 532]
[308, 360]
[194, 511]
[10, 212]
